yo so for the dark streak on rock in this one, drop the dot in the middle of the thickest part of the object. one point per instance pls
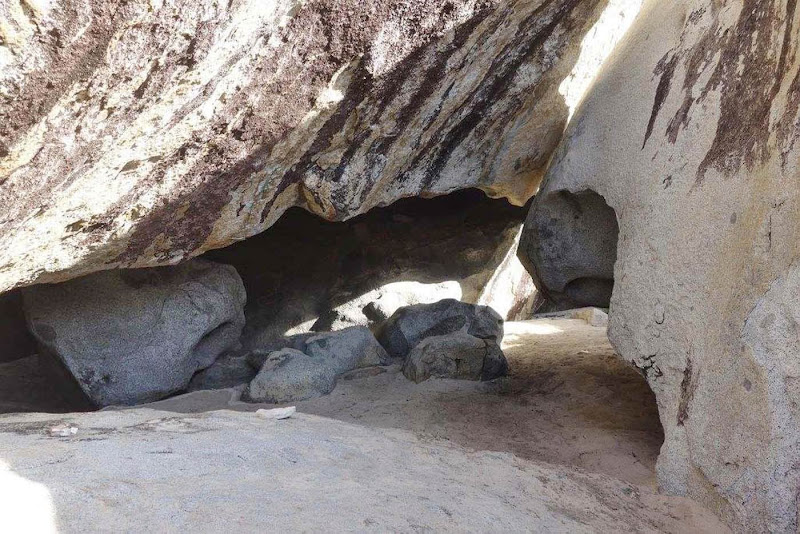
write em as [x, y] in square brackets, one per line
[521, 49]
[749, 62]
[139, 92]
[687, 393]
[665, 68]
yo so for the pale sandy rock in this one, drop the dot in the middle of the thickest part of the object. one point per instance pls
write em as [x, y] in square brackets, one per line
[308, 473]
[690, 136]
[143, 133]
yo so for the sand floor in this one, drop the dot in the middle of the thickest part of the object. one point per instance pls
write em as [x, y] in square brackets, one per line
[568, 400]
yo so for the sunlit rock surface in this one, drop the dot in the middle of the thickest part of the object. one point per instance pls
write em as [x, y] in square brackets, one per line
[690, 135]
[146, 470]
[143, 133]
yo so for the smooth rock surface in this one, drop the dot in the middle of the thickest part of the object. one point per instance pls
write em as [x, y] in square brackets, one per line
[140, 134]
[288, 375]
[578, 271]
[457, 355]
[132, 336]
[690, 135]
[141, 469]
[410, 325]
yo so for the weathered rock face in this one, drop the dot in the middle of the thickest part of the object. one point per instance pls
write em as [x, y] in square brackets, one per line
[690, 136]
[140, 134]
[134, 336]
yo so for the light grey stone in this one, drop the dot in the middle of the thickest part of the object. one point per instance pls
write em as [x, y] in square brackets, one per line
[457, 355]
[289, 375]
[344, 350]
[135, 336]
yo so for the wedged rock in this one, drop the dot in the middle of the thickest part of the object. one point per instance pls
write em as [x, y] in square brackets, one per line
[229, 370]
[136, 134]
[457, 355]
[307, 365]
[690, 136]
[133, 336]
[289, 375]
[411, 324]
[579, 271]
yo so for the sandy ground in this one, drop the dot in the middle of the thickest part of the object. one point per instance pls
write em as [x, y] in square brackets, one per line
[568, 400]
[570, 408]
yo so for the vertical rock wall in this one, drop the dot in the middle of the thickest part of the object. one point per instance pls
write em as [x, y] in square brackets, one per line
[690, 134]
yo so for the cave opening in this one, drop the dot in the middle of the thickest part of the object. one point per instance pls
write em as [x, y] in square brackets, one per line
[568, 398]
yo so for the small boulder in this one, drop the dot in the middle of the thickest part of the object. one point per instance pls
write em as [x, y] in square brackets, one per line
[457, 355]
[411, 324]
[135, 336]
[307, 365]
[345, 350]
[289, 375]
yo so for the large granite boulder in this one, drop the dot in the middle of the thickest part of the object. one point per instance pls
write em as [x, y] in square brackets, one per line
[133, 336]
[690, 136]
[138, 134]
